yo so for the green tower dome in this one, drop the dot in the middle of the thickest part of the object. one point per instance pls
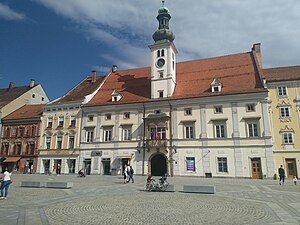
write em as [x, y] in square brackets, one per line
[163, 34]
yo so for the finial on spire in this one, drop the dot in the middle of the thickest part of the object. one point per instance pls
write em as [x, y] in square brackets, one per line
[163, 3]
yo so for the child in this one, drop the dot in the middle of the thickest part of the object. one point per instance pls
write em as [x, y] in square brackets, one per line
[295, 180]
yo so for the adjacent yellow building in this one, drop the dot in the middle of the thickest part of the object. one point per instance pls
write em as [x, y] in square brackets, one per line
[284, 104]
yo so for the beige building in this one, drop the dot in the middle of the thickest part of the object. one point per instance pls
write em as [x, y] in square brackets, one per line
[284, 108]
[206, 117]
[59, 144]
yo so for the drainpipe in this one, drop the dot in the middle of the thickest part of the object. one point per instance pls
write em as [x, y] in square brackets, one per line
[171, 143]
[79, 143]
[144, 144]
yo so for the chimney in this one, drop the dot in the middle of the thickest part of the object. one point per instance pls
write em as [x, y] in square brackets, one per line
[114, 68]
[31, 84]
[94, 76]
[11, 85]
[256, 49]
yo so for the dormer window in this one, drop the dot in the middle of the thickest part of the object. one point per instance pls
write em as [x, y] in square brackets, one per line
[216, 86]
[115, 96]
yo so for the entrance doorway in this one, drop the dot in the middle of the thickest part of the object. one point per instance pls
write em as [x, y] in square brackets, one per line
[291, 170]
[71, 165]
[158, 165]
[256, 168]
[106, 166]
[46, 163]
[87, 165]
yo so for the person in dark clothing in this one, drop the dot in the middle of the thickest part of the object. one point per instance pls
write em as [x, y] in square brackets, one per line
[130, 174]
[281, 175]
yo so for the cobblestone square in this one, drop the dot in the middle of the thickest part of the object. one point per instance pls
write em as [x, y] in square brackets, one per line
[106, 200]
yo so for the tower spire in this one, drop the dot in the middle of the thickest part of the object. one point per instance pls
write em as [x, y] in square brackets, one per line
[163, 34]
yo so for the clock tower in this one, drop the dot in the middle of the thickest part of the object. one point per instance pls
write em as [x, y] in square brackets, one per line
[163, 57]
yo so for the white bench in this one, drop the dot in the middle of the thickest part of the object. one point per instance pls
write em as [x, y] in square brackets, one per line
[59, 184]
[199, 189]
[34, 184]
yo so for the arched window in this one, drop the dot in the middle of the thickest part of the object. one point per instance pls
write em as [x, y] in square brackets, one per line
[162, 52]
[158, 53]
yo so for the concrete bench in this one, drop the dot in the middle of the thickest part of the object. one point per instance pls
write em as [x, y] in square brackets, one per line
[59, 185]
[171, 188]
[34, 184]
[199, 189]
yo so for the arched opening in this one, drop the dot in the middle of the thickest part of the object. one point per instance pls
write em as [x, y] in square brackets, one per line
[158, 165]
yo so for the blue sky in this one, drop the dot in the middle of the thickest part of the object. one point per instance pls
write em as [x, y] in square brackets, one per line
[58, 43]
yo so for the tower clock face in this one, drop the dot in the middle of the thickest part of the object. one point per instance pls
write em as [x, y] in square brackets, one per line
[160, 62]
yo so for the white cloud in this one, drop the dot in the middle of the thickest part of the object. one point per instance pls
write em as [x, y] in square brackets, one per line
[202, 28]
[8, 14]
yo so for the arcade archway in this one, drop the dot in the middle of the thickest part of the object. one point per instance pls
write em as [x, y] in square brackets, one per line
[158, 165]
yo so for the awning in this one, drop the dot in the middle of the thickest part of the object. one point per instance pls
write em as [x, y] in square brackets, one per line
[12, 159]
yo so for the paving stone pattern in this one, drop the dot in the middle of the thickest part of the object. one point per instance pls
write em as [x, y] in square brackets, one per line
[106, 200]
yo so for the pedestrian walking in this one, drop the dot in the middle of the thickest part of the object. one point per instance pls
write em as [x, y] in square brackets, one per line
[5, 184]
[54, 170]
[125, 173]
[281, 175]
[130, 169]
[58, 169]
[295, 180]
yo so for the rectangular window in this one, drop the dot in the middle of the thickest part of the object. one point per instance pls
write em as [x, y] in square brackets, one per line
[126, 115]
[59, 142]
[31, 149]
[282, 91]
[126, 133]
[48, 142]
[161, 74]
[288, 138]
[49, 122]
[33, 131]
[21, 130]
[160, 94]
[157, 133]
[61, 121]
[190, 164]
[218, 109]
[188, 112]
[253, 130]
[19, 148]
[107, 134]
[108, 116]
[90, 118]
[73, 121]
[250, 108]
[285, 112]
[189, 131]
[89, 135]
[71, 142]
[7, 132]
[222, 165]
[219, 130]
[14, 132]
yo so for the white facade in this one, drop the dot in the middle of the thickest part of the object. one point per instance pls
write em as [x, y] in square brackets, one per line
[212, 152]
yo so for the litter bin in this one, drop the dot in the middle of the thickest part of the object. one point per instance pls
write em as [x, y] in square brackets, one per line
[208, 175]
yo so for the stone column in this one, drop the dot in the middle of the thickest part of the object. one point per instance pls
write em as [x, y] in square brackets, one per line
[236, 141]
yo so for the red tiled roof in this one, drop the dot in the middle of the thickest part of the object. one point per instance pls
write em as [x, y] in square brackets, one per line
[26, 111]
[85, 87]
[7, 95]
[237, 73]
[282, 73]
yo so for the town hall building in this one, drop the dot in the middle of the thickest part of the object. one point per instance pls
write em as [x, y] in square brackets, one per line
[205, 117]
